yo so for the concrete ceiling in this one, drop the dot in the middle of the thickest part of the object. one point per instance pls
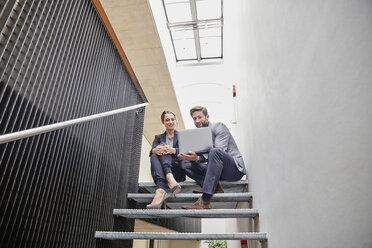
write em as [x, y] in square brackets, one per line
[134, 26]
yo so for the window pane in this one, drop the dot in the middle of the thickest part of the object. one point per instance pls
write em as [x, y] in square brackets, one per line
[178, 11]
[208, 9]
[210, 42]
[209, 25]
[184, 44]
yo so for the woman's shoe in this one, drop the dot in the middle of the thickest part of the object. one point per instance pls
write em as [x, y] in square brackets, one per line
[160, 204]
[176, 189]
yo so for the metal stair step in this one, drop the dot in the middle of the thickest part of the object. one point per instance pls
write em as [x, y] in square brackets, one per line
[182, 236]
[193, 183]
[176, 213]
[189, 186]
[191, 197]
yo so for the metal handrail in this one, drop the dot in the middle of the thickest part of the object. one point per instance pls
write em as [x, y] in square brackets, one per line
[5, 138]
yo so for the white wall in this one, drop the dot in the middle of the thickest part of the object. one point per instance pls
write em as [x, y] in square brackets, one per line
[304, 78]
[145, 165]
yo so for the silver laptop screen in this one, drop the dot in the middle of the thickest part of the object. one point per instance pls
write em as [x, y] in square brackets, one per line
[198, 140]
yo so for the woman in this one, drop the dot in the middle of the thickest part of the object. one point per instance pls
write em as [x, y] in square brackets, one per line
[164, 162]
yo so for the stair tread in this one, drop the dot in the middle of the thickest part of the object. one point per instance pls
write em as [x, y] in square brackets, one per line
[191, 197]
[193, 183]
[182, 236]
[189, 186]
[174, 213]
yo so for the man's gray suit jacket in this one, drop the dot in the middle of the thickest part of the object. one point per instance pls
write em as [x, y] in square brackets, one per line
[223, 139]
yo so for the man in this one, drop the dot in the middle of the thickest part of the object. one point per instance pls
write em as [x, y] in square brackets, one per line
[224, 160]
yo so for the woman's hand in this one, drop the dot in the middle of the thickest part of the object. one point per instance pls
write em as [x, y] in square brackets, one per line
[163, 149]
[170, 150]
[160, 149]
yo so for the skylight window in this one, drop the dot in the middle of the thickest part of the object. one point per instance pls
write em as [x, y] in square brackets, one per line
[195, 27]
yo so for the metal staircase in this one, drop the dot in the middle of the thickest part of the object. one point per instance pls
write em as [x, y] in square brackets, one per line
[223, 206]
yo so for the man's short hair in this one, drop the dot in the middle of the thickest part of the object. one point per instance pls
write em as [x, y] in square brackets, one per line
[199, 108]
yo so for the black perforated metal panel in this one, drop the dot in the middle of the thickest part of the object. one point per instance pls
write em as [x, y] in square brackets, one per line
[57, 62]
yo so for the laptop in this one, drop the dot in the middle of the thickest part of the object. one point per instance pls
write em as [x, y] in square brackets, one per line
[197, 140]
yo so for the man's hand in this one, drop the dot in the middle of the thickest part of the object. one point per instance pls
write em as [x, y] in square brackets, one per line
[192, 156]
